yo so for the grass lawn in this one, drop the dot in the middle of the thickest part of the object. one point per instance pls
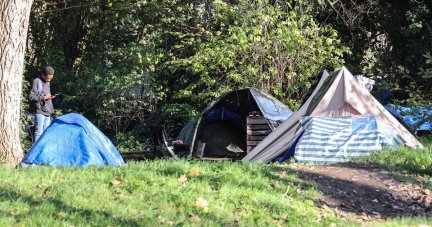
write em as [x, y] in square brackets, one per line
[182, 193]
[154, 193]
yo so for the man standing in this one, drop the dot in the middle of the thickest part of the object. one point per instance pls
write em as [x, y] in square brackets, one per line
[40, 101]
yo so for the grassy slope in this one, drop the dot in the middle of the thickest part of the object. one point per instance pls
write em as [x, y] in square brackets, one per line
[236, 193]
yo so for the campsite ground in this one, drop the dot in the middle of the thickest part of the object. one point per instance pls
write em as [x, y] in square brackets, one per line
[168, 193]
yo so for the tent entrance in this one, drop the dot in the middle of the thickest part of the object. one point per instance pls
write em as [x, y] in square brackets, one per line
[223, 139]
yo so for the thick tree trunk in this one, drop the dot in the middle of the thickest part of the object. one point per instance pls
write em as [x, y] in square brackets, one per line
[14, 19]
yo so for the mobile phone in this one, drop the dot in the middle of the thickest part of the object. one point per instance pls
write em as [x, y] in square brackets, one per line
[56, 94]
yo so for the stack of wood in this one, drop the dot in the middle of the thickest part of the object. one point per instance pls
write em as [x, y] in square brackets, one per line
[257, 130]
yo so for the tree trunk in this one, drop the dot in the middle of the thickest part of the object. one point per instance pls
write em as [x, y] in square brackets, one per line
[14, 19]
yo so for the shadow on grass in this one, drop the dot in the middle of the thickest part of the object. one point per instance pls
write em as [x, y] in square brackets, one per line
[63, 212]
[41, 209]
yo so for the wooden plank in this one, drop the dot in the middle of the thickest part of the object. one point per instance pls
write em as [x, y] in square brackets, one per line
[200, 149]
[249, 148]
[255, 138]
[256, 121]
[217, 159]
[258, 132]
[253, 143]
[254, 127]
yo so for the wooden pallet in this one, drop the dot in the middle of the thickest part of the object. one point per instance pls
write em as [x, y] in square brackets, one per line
[257, 130]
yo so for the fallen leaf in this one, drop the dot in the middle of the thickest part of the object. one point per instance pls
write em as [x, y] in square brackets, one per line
[115, 182]
[274, 183]
[201, 203]
[354, 191]
[180, 209]
[364, 216]
[60, 179]
[160, 219]
[182, 179]
[375, 200]
[118, 181]
[169, 207]
[194, 218]
[283, 216]
[194, 173]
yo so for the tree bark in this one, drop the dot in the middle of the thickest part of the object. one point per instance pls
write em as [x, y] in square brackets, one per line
[14, 20]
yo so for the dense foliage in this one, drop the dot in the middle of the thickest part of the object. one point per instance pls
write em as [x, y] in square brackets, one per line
[122, 64]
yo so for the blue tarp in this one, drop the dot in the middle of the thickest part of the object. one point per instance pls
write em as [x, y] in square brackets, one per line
[224, 115]
[72, 140]
[291, 150]
[411, 120]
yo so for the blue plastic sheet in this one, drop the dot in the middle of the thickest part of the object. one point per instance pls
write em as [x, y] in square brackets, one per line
[412, 120]
[224, 115]
[72, 140]
[291, 150]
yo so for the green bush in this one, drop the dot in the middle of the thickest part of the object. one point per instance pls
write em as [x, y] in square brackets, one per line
[173, 116]
[273, 47]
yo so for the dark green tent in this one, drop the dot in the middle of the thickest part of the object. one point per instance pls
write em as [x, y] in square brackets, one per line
[227, 138]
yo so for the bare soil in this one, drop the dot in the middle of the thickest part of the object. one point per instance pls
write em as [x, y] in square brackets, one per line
[368, 192]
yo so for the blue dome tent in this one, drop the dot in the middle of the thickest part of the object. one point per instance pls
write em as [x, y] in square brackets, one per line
[72, 140]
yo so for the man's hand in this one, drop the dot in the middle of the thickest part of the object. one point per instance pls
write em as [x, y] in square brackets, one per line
[46, 97]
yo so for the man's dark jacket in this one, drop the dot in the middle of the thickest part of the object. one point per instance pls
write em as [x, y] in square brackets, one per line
[39, 105]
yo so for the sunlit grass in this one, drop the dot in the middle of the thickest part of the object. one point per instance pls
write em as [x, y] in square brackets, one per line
[150, 193]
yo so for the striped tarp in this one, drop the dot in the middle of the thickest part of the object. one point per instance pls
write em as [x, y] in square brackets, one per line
[337, 139]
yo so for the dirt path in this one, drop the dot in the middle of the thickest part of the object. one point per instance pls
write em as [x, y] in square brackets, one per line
[366, 191]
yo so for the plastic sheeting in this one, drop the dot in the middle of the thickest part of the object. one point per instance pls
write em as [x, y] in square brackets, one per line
[275, 111]
[291, 150]
[365, 82]
[412, 120]
[224, 115]
[72, 140]
[329, 140]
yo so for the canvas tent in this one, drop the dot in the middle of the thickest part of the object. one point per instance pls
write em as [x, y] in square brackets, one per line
[335, 95]
[72, 140]
[221, 125]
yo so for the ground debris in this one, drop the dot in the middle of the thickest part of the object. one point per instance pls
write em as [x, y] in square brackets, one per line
[366, 192]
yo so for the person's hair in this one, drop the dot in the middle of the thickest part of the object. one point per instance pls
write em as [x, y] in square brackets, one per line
[48, 71]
